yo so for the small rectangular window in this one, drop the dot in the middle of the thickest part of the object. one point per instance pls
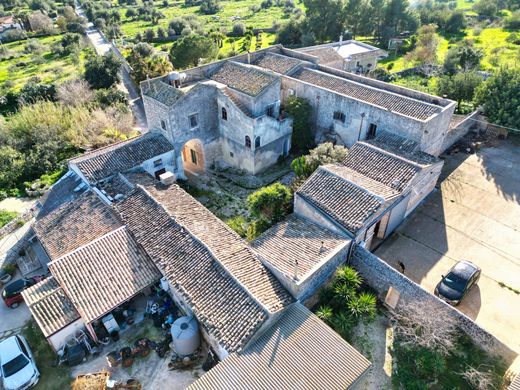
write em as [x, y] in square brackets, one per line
[163, 125]
[158, 162]
[270, 110]
[194, 120]
[339, 116]
[231, 154]
[193, 156]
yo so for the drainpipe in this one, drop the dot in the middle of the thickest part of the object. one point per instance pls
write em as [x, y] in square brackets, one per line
[361, 125]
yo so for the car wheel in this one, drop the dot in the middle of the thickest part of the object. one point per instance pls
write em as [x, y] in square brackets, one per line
[14, 305]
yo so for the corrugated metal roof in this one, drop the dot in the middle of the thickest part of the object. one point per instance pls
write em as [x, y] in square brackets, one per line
[298, 352]
[515, 385]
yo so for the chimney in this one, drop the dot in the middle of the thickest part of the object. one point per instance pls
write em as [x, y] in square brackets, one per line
[248, 57]
[295, 277]
[341, 38]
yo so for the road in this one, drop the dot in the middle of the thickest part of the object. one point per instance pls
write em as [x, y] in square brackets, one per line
[134, 97]
[475, 215]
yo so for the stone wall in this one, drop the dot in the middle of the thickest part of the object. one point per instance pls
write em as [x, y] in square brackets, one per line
[381, 276]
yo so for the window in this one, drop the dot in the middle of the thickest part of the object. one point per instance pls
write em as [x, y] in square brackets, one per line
[163, 125]
[231, 154]
[158, 162]
[270, 110]
[194, 120]
[224, 114]
[248, 142]
[339, 116]
[257, 142]
[372, 131]
[193, 156]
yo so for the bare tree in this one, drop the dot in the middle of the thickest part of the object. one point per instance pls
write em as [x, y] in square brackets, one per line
[478, 378]
[75, 93]
[418, 324]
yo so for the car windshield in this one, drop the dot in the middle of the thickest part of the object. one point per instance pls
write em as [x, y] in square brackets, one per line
[15, 365]
[454, 282]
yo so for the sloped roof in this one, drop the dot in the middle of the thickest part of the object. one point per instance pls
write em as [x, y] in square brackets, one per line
[346, 203]
[326, 55]
[74, 224]
[68, 188]
[229, 249]
[105, 273]
[121, 156]
[382, 166]
[277, 63]
[298, 352]
[161, 91]
[220, 303]
[243, 78]
[50, 306]
[378, 97]
[297, 240]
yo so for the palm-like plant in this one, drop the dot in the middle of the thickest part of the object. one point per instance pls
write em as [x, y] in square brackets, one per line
[348, 276]
[343, 323]
[363, 305]
[325, 313]
[344, 292]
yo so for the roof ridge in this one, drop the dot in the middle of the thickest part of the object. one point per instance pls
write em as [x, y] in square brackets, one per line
[118, 143]
[391, 154]
[196, 238]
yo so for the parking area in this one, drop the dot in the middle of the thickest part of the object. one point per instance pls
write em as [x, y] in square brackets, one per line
[12, 320]
[474, 215]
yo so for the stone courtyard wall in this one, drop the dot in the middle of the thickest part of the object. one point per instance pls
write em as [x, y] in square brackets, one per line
[381, 276]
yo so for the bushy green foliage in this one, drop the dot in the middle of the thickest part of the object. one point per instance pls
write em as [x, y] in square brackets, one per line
[239, 225]
[270, 203]
[326, 153]
[103, 71]
[500, 97]
[6, 217]
[513, 21]
[257, 227]
[191, 49]
[146, 62]
[459, 87]
[300, 110]
[210, 7]
[465, 56]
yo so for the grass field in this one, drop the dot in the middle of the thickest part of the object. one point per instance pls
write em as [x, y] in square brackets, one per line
[232, 12]
[19, 67]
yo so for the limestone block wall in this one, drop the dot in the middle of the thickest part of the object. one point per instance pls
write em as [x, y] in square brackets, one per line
[305, 210]
[423, 185]
[381, 276]
[155, 113]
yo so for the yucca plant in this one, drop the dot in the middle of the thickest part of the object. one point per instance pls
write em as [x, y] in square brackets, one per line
[325, 313]
[348, 276]
[343, 322]
[364, 305]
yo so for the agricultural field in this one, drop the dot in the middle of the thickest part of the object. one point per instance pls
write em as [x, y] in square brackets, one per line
[231, 12]
[17, 66]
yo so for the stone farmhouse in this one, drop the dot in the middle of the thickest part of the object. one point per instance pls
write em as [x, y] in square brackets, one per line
[231, 112]
[117, 223]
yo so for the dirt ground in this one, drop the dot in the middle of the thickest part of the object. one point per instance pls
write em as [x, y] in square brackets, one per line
[475, 215]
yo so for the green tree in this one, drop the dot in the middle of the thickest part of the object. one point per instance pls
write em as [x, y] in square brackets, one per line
[11, 166]
[500, 97]
[270, 203]
[300, 110]
[425, 52]
[103, 71]
[465, 56]
[70, 42]
[486, 8]
[325, 18]
[459, 87]
[191, 49]
[290, 33]
[398, 18]
[456, 22]
[325, 153]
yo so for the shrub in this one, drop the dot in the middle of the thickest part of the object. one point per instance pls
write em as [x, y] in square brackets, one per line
[239, 30]
[256, 228]
[363, 305]
[110, 97]
[300, 110]
[239, 225]
[513, 21]
[14, 35]
[210, 7]
[9, 269]
[270, 203]
[6, 217]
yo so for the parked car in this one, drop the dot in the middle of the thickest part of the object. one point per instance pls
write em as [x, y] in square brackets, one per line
[456, 284]
[12, 294]
[5, 277]
[19, 371]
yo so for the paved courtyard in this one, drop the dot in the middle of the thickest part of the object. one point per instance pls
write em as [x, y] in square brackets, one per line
[475, 215]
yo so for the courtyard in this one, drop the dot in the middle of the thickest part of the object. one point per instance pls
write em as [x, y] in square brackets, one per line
[473, 215]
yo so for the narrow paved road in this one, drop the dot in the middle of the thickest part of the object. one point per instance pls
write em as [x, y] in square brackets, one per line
[134, 97]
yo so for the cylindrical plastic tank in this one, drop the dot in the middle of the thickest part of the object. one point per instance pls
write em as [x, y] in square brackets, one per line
[185, 335]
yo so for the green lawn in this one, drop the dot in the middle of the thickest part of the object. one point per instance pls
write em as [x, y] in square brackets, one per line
[6, 217]
[22, 66]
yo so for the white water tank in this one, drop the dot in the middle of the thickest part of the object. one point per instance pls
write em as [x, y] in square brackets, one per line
[185, 335]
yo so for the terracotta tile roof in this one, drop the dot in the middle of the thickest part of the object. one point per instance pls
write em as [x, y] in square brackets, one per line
[161, 91]
[277, 63]
[68, 188]
[121, 156]
[326, 55]
[230, 250]
[347, 204]
[221, 305]
[50, 306]
[298, 352]
[402, 147]
[378, 97]
[297, 240]
[105, 273]
[75, 224]
[243, 78]
[116, 185]
[382, 166]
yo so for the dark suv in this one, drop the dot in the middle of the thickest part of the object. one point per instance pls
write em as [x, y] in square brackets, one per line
[456, 284]
[12, 294]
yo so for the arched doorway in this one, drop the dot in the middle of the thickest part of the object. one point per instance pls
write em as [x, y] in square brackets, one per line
[193, 156]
